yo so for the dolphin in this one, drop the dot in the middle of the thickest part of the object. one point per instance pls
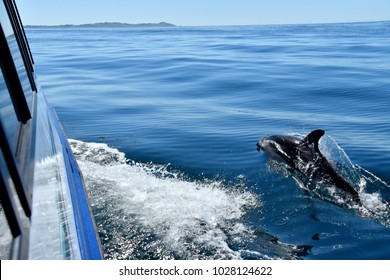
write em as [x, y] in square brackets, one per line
[304, 156]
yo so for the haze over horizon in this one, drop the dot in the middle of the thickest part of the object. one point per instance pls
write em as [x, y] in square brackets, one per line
[202, 12]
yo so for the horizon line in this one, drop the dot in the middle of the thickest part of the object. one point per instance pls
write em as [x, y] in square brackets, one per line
[167, 24]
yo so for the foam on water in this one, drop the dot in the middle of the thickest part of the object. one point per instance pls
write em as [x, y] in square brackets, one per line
[154, 213]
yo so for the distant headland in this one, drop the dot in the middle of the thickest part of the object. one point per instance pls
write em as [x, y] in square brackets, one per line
[104, 25]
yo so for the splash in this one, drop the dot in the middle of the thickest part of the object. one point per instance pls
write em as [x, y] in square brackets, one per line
[368, 185]
[145, 211]
[365, 183]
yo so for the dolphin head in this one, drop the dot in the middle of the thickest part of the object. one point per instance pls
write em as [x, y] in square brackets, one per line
[279, 146]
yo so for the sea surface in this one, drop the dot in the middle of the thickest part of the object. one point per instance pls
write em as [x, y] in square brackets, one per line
[164, 124]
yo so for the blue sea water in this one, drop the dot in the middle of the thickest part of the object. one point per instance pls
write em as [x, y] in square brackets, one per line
[166, 122]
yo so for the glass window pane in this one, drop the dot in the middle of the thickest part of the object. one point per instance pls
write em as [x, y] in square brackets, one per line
[16, 54]
[7, 114]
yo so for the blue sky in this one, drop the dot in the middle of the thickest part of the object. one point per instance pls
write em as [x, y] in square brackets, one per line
[202, 12]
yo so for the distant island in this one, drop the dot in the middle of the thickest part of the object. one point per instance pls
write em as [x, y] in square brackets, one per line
[104, 25]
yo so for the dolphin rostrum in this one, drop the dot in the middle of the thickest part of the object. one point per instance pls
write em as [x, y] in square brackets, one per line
[304, 155]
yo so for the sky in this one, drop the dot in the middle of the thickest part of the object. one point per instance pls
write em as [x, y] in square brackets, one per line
[202, 12]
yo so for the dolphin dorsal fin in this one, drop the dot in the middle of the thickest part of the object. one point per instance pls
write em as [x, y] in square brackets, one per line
[314, 137]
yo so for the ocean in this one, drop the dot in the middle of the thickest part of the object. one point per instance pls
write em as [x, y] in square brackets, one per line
[164, 124]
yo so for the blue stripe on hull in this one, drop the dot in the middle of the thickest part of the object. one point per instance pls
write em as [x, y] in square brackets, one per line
[85, 226]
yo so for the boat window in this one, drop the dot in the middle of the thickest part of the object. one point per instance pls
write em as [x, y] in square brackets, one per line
[15, 87]
[11, 60]
[13, 113]
[20, 47]
[7, 114]
[18, 222]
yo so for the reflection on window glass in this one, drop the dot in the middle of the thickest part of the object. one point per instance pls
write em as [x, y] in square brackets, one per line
[6, 237]
[7, 113]
[20, 68]
[16, 54]
[16, 216]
